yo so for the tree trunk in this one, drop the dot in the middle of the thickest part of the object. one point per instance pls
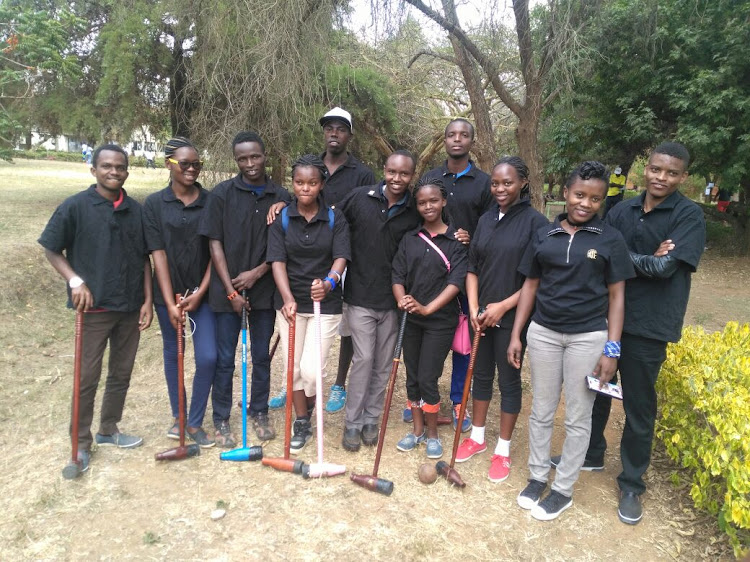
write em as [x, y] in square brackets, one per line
[526, 137]
[279, 164]
[179, 105]
[423, 160]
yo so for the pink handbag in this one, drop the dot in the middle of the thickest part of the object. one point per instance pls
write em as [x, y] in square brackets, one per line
[461, 340]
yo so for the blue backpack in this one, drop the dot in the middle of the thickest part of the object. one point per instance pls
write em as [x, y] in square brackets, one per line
[285, 219]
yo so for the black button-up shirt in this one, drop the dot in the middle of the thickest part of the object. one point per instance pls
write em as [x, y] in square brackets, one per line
[469, 195]
[171, 226]
[346, 177]
[375, 235]
[574, 272]
[424, 275]
[655, 308]
[309, 250]
[496, 251]
[104, 246]
[236, 216]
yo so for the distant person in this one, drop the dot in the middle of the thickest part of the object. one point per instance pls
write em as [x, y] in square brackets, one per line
[236, 226]
[723, 197]
[150, 155]
[95, 241]
[84, 148]
[665, 233]
[345, 172]
[469, 197]
[89, 155]
[616, 190]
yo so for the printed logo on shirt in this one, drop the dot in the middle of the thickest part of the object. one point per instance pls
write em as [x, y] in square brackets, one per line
[591, 254]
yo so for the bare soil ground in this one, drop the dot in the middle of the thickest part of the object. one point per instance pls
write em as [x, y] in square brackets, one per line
[129, 507]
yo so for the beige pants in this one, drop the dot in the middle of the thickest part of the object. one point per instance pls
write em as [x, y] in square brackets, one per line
[305, 349]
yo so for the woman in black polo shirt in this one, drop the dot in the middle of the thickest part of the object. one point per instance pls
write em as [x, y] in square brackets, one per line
[575, 271]
[308, 247]
[181, 265]
[493, 286]
[429, 268]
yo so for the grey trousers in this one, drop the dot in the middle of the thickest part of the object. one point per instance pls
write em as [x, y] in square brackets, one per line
[561, 362]
[373, 337]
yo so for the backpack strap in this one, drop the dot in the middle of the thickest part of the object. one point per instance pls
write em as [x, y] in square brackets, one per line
[330, 218]
[438, 250]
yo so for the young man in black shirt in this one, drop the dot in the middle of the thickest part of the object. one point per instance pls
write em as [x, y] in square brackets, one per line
[665, 233]
[469, 197]
[95, 241]
[235, 224]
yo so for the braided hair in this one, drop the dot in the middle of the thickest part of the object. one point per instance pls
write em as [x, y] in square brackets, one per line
[174, 144]
[312, 161]
[521, 169]
[437, 183]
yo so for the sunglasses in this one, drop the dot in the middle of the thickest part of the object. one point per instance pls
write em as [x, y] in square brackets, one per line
[185, 166]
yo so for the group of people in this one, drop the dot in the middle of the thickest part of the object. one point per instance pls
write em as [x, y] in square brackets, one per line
[587, 296]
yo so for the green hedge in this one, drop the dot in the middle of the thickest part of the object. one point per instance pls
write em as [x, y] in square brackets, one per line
[61, 156]
[704, 393]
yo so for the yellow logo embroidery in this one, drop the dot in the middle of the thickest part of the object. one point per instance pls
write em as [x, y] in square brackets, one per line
[591, 254]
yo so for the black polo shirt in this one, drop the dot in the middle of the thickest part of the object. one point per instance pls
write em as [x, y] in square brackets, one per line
[574, 273]
[496, 251]
[171, 226]
[655, 308]
[346, 177]
[375, 235]
[236, 216]
[469, 195]
[104, 246]
[422, 272]
[309, 250]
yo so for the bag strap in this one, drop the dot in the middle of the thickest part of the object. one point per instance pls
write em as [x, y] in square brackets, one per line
[438, 250]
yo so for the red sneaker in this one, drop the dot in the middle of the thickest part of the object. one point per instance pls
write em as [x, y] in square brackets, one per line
[468, 448]
[499, 469]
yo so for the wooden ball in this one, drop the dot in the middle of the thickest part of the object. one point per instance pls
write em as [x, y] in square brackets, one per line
[427, 473]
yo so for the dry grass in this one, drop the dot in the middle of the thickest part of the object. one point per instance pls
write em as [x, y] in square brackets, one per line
[130, 507]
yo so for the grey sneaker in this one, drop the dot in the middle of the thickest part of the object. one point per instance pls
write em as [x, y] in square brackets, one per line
[434, 448]
[629, 509]
[302, 434]
[531, 494]
[409, 442]
[117, 439]
[174, 431]
[73, 470]
[551, 507]
[200, 437]
[262, 426]
[223, 436]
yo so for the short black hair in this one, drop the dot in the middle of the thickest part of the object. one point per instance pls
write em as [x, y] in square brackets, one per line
[248, 136]
[311, 161]
[675, 150]
[460, 120]
[111, 147]
[589, 170]
[403, 152]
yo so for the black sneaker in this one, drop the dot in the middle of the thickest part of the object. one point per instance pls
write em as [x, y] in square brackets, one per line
[302, 434]
[531, 494]
[551, 507]
[200, 437]
[370, 434]
[588, 465]
[629, 510]
[351, 439]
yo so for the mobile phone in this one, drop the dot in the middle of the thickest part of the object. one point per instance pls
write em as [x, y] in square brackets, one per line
[609, 389]
[482, 310]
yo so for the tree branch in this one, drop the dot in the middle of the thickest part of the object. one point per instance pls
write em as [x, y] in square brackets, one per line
[525, 49]
[433, 54]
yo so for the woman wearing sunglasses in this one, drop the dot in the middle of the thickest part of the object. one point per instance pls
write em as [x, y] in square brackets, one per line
[181, 266]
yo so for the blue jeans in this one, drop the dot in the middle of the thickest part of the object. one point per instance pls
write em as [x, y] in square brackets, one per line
[204, 344]
[228, 325]
[460, 362]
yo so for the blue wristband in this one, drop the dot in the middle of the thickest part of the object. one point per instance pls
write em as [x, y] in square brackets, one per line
[331, 281]
[612, 349]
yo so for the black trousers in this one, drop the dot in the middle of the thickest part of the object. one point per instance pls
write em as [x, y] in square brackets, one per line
[493, 352]
[426, 345]
[639, 366]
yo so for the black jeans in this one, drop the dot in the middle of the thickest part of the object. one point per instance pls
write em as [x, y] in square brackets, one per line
[639, 367]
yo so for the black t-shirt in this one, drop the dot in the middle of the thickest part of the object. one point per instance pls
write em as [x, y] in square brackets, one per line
[423, 273]
[309, 250]
[171, 226]
[104, 246]
[496, 251]
[655, 308]
[376, 232]
[574, 273]
[236, 216]
[469, 195]
[346, 177]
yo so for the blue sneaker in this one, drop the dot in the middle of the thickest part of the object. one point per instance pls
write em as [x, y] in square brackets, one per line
[466, 425]
[410, 442]
[117, 439]
[408, 418]
[434, 448]
[278, 401]
[337, 399]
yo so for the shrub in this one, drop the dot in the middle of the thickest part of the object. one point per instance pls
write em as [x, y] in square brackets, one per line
[704, 392]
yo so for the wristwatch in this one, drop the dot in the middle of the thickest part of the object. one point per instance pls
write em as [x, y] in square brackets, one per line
[75, 282]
